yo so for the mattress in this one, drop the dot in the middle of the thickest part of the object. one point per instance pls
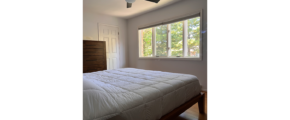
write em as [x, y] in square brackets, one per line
[135, 94]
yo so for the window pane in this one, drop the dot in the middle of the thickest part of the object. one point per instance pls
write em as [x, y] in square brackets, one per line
[146, 42]
[161, 40]
[176, 38]
[193, 37]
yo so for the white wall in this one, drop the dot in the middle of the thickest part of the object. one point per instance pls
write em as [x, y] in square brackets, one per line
[90, 31]
[198, 68]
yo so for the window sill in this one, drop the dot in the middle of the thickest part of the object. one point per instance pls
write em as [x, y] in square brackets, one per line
[169, 58]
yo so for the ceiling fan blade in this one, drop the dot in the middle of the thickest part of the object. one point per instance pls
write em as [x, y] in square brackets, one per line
[129, 5]
[156, 1]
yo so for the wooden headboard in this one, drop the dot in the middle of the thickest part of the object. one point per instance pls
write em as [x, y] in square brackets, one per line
[94, 56]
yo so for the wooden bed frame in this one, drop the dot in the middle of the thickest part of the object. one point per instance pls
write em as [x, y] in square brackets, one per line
[200, 98]
[177, 111]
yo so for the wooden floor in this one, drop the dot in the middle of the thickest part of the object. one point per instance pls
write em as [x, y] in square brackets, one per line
[193, 114]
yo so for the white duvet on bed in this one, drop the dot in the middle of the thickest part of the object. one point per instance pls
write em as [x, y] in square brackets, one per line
[135, 94]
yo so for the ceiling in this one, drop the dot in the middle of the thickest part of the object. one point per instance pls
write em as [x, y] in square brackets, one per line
[119, 8]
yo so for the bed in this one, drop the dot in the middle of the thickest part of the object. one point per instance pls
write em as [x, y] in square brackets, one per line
[137, 94]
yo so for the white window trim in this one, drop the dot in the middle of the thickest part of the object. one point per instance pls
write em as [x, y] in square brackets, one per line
[185, 37]
[153, 42]
[169, 44]
[168, 40]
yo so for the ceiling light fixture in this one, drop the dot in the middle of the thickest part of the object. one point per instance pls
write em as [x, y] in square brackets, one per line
[129, 3]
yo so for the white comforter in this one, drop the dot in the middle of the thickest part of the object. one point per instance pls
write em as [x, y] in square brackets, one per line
[135, 94]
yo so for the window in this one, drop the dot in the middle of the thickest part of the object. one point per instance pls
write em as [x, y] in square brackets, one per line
[161, 40]
[146, 42]
[193, 40]
[176, 38]
[173, 40]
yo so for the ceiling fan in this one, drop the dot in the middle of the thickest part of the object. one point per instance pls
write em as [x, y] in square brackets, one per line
[129, 2]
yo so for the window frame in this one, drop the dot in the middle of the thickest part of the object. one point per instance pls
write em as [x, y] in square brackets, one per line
[185, 33]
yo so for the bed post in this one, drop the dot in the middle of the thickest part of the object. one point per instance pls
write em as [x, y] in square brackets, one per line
[201, 103]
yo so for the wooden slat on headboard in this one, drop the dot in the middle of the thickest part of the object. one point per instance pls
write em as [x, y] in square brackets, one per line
[94, 56]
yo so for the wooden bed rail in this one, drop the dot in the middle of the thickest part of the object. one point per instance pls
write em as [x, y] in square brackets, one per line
[177, 111]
